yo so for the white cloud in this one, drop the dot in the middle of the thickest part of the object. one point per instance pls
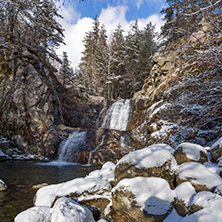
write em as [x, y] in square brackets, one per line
[110, 17]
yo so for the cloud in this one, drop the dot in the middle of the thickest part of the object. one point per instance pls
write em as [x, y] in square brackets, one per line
[111, 17]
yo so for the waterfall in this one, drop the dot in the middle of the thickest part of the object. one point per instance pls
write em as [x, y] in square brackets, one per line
[69, 147]
[101, 112]
[117, 115]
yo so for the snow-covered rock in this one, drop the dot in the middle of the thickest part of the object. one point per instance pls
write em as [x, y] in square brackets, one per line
[142, 199]
[35, 214]
[79, 188]
[218, 190]
[198, 175]
[188, 152]
[155, 160]
[106, 173]
[216, 149]
[206, 199]
[202, 216]
[3, 186]
[183, 196]
[67, 210]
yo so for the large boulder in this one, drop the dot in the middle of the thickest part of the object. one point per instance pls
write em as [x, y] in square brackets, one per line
[189, 152]
[67, 210]
[79, 189]
[153, 161]
[141, 199]
[198, 175]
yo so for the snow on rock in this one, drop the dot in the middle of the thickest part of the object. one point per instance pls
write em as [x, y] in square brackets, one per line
[3, 186]
[147, 162]
[202, 216]
[46, 195]
[106, 173]
[67, 210]
[188, 152]
[198, 175]
[35, 214]
[183, 196]
[216, 149]
[173, 217]
[141, 198]
[206, 199]
[78, 188]
[218, 190]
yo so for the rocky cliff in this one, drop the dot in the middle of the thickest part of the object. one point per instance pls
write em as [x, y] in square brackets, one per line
[34, 103]
[181, 100]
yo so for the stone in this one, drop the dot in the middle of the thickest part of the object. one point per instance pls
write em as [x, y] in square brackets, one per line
[68, 210]
[3, 186]
[189, 152]
[153, 161]
[183, 196]
[198, 175]
[141, 199]
[216, 150]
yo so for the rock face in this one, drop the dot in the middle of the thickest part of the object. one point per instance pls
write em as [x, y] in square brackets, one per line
[37, 104]
[179, 102]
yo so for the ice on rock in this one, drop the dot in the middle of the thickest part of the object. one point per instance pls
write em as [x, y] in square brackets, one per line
[67, 210]
[35, 214]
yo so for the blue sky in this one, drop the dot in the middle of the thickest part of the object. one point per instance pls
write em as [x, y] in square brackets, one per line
[78, 18]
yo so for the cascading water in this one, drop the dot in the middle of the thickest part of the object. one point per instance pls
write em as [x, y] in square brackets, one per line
[117, 116]
[69, 147]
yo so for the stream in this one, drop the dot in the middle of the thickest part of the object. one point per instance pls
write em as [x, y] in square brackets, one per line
[20, 176]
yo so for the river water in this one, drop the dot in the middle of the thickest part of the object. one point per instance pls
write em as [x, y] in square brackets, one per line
[20, 176]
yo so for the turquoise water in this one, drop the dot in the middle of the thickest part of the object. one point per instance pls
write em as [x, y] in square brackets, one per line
[20, 176]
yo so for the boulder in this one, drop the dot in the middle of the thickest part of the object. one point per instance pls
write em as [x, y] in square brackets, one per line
[141, 199]
[189, 152]
[35, 214]
[67, 210]
[79, 189]
[153, 161]
[3, 156]
[3, 186]
[210, 201]
[198, 175]
[183, 196]
[216, 150]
